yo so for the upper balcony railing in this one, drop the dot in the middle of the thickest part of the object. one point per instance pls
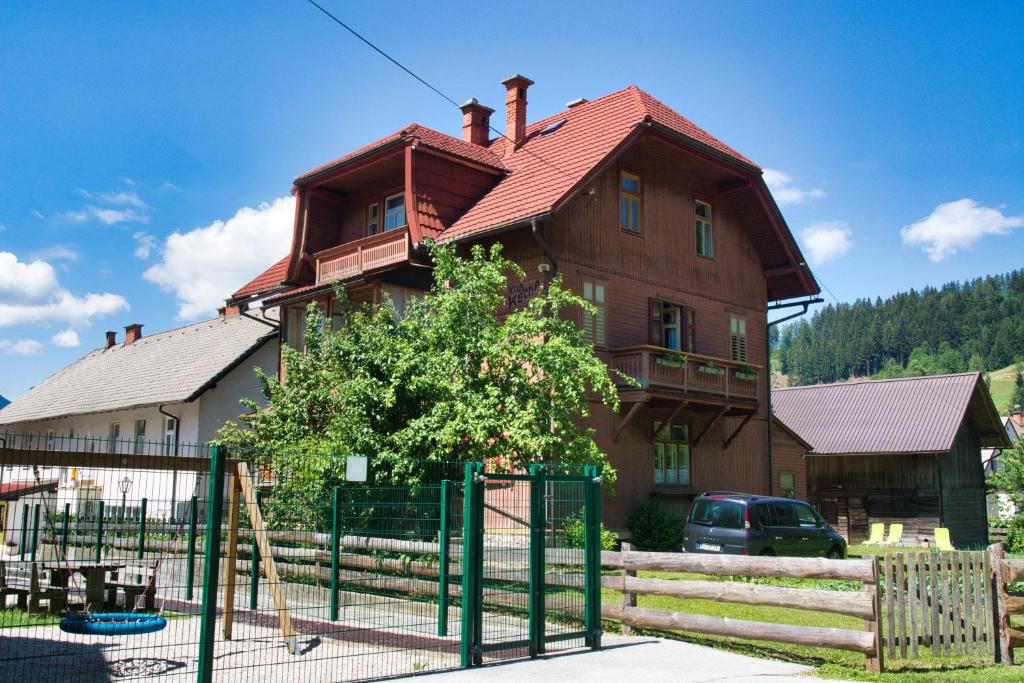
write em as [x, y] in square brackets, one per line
[369, 253]
[659, 368]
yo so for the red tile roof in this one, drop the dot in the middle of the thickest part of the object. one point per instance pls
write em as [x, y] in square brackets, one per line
[913, 415]
[427, 137]
[269, 279]
[16, 489]
[546, 167]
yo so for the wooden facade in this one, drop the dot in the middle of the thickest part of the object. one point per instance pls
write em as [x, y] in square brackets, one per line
[921, 491]
[718, 402]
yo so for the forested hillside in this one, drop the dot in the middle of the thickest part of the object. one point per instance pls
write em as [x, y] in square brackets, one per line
[976, 325]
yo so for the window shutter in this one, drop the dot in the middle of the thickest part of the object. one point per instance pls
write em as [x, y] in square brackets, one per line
[689, 330]
[656, 322]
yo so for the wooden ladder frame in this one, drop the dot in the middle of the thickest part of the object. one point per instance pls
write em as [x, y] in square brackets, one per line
[241, 486]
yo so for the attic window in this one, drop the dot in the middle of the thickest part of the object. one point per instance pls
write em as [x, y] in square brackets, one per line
[552, 127]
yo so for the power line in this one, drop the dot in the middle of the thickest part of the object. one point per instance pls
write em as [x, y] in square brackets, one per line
[423, 81]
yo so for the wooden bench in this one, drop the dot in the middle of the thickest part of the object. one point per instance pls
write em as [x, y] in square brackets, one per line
[24, 580]
[133, 581]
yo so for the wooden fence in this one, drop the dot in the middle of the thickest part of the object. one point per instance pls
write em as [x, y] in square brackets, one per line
[936, 601]
[863, 604]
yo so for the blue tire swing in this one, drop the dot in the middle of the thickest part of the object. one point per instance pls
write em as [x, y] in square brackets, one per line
[112, 624]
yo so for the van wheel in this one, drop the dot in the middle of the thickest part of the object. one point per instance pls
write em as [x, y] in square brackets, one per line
[835, 553]
[767, 552]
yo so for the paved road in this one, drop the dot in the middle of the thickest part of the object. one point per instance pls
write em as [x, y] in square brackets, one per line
[651, 660]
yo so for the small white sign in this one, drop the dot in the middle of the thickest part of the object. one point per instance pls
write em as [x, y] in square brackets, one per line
[355, 468]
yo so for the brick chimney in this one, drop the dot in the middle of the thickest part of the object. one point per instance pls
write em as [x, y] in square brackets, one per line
[515, 111]
[111, 339]
[132, 333]
[476, 122]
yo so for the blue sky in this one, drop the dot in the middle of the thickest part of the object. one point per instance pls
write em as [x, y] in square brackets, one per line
[147, 149]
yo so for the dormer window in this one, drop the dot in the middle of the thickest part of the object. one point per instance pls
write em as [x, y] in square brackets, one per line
[373, 218]
[394, 212]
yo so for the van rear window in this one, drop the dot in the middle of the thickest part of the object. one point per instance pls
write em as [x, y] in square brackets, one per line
[726, 514]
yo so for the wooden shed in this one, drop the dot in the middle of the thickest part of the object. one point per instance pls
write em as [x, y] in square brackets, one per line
[903, 450]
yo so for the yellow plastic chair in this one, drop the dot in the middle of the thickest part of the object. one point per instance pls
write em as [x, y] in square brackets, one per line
[877, 536]
[942, 541]
[895, 535]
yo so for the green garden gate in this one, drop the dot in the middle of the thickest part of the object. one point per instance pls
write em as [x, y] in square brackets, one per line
[539, 530]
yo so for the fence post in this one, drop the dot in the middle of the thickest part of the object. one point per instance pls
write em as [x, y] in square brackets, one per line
[190, 563]
[99, 532]
[142, 537]
[254, 570]
[444, 549]
[628, 598]
[35, 532]
[23, 539]
[536, 564]
[876, 662]
[1003, 652]
[335, 549]
[64, 530]
[214, 511]
[472, 530]
[592, 555]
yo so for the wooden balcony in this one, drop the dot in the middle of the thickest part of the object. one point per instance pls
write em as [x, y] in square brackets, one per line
[664, 370]
[352, 259]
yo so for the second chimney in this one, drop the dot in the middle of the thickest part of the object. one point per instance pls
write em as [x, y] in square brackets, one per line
[515, 111]
[132, 333]
[111, 339]
[476, 122]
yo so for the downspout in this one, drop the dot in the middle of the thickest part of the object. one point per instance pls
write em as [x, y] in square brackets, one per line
[535, 231]
[174, 474]
[768, 367]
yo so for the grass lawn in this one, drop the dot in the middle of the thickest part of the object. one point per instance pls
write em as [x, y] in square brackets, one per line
[12, 617]
[1001, 386]
[828, 663]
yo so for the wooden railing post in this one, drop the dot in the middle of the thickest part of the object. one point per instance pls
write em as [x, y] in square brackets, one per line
[1002, 651]
[875, 661]
[628, 599]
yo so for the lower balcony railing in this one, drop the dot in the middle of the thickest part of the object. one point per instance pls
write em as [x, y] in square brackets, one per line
[369, 253]
[659, 368]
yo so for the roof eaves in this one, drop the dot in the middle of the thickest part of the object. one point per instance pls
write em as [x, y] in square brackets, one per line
[212, 382]
[307, 178]
[496, 229]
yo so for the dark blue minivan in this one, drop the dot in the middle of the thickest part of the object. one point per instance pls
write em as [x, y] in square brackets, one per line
[744, 524]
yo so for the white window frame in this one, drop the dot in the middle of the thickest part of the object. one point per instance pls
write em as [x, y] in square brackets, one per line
[388, 213]
[113, 437]
[668, 446]
[705, 231]
[738, 340]
[372, 218]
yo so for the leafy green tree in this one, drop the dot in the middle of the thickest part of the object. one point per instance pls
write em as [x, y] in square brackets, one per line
[1017, 399]
[450, 380]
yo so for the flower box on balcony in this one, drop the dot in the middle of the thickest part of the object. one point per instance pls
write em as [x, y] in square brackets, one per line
[672, 361]
[747, 374]
[711, 369]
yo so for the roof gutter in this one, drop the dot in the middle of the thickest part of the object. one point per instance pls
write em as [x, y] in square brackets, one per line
[497, 229]
[177, 425]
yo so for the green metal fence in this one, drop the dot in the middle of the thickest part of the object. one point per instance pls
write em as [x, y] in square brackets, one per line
[264, 576]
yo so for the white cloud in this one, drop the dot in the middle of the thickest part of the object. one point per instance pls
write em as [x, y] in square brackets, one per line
[826, 241]
[37, 214]
[23, 347]
[114, 216]
[168, 186]
[781, 185]
[956, 225]
[131, 198]
[144, 244]
[58, 252]
[34, 281]
[204, 265]
[30, 293]
[67, 338]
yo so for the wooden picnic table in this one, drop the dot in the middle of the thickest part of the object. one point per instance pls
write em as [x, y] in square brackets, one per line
[95, 580]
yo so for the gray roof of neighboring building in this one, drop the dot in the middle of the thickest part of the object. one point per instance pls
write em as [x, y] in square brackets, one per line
[912, 415]
[167, 367]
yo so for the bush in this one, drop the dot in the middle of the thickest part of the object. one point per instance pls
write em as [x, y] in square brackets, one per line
[574, 533]
[1015, 535]
[656, 526]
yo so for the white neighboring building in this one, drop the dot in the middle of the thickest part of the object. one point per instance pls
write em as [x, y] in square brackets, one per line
[167, 393]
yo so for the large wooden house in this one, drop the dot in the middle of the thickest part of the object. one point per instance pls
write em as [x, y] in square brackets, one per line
[902, 451]
[669, 232]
